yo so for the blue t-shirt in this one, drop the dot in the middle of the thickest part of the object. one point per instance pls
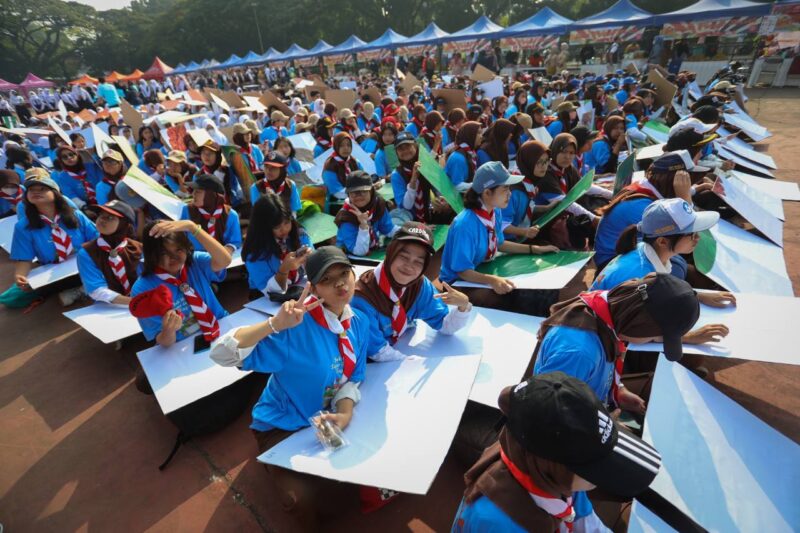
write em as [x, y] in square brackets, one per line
[108, 92]
[514, 212]
[73, 188]
[293, 168]
[467, 243]
[484, 516]
[621, 96]
[91, 275]
[597, 158]
[554, 128]
[103, 192]
[294, 200]
[261, 270]
[613, 224]
[381, 164]
[331, 180]
[430, 310]
[632, 265]
[483, 157]
[306, 368]
[271, 134]
[457, 167]
[28, 244]
[412, 128]
[232, 235]
[199, 276]
[155, 146]
[348, 232]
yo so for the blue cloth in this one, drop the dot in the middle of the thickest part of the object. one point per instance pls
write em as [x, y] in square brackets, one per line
[306, 367]
[369, 145]
[108, 92]
[554, 128]
[73, 188]
[295, 206]
[363, 126]
[467, 243]
[426, 308]
[411, 127]
[381, 164]
[199, 276]
[632, 265]
[597, 158]
[348, 232]
[91, 275]
[483, 516]
[293, 168]
[399, 187]
[260, 270]
[258, 155]
[613, 224]
[483, 157]
[457, 167]
[319, 150]
[28, 244]
[512, 109]
[155, 146]
[271, 134]
[7, 208]
[621, 96]
[514, 212]
[103, 192]
[233, 231]
[172, 183]
[631, 122]
[331, 180]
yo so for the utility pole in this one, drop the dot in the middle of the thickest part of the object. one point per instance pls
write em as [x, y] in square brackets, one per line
[258, 28]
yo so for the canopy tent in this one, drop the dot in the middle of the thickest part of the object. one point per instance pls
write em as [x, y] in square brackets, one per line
[623, 13]
[179, 69]
[483, 28]
[291, 53]
[7, 85]
[269, 55]
[191, 67]
[318, 49]
[83, 80]
[210, 63]
[389, 41]
[230, 62]
[251, 58]
[715, 9]
[32, 81]
[158, 70]
[544, 22]
[115, 77]
[350, 45]
[133, 76]
[432, 34]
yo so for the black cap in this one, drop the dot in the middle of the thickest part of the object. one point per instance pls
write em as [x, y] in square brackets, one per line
[117, 208]
[686, 139]
[358, 181]
[274, 159]
[207, 182]
[583, 134]
[674, 306]
[322, 259]
[558, 418]
[404, 137]
[707, 114]
[416, 232]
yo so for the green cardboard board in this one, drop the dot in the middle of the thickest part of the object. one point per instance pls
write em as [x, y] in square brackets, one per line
[517, 265]
[319, 226]
[574, 193]
[435, 175]
[391, 156]
[625, 172]
[705, 252]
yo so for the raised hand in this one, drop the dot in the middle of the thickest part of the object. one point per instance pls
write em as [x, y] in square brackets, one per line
[292, 312]
[451, 296]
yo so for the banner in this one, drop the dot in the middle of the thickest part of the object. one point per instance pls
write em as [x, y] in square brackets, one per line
[467, 46]
[374, 55]
[416, 50]
[788, 17]
[338, 59]
[606, 35]
[710, 28]
[307, 62]
[541, 42]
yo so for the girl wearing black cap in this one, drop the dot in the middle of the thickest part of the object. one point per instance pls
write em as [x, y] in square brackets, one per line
[275, 179]
[364, 217]
[396, 293]
[412, 191]
[316, 350]
[211, 157]
[209, 211]
[386, 137]
[276, 247]
[323, 135]
[463, 160]
[605, 151]
[339, 165]
[77, 179]
[495, 142]
[109, 265]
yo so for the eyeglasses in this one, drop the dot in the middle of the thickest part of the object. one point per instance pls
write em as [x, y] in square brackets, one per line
[542, 162]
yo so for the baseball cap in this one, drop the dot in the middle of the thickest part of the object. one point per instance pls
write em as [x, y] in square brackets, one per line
[117, 208]
[677, 160]
[358, 181]
[565, 106]
[404, 137]
[274, 159]
[240, 129]
[493, 174]
[176, 156]
[207, 182]
[346, 114]
[674, 216]
[39, 176]
[278, 116]
[322, 259]
[559, 418]
[252, 126]
[583, 134]
[211, 145]
[688, 138]
[694, 124]
[416, 232]
[628, 80]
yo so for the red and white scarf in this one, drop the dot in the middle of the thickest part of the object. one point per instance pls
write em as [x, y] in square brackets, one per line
[419, 124]
[373, 236]
[555, 507]
[531, 190]
[472, 156]
[430, 138]
[419, 199]
[211, 219]
[277, 190]
[338, 328]
[560, 174]
[342, 161]
[294, 275]
[205, 318]
[488, 220]
[13, 199]
[598, 303]
[87, 187]
[115, 262]
[399, 320]
[61, 239]
[247, 153]
[325, 143]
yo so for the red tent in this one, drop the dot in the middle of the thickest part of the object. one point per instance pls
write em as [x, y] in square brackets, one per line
[157, 70]
[83, 80]
[7, 85]
[133, 76]
[32, 81]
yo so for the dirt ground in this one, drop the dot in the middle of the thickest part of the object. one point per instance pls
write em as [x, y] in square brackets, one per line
[80, 445]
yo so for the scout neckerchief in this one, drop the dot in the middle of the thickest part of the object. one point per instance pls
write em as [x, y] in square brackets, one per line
[560, 174]
[598, 303]
[205, 318]
[370, 123]
[13, 199]
[325, 143]
[471, 156]
[373, 237]
[531, 190]
[488, 220]
[399, 320]
[61, 239]
[338, 328]
[419, 124]
[342, 161]
[555, 507]
[247, 153]
[645, 188]
[87, 187]
[294, 275]
[430, 139]
[277, 189]
[115, 261]
[211, 219]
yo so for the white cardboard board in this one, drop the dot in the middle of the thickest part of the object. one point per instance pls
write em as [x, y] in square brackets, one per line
[179, 376]
[542, 135]
[748, 263]
[737, 195]
[107, 322]
[650, 152]
[7, 231]
[505, 340]
[741, 161]
[736, 142]
[765, 160]
[770, 204]
[783, 190]
[656, 135]
[753, 130]
[47, 274]
[762, 328]
[409, 409]
[492, 89]
[728, 470]
[643, 520]
[303, 140]
[154, 193]
[552, 278]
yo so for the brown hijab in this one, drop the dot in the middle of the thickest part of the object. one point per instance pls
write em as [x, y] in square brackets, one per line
[551, 181]
[131, 255]
[495, 140]
[338, 167]
[529, 154]
[377, 205]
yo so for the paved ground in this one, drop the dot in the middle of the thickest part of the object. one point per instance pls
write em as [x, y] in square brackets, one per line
[79, 445]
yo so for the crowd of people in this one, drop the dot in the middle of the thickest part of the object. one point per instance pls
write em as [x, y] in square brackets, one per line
[511, 159]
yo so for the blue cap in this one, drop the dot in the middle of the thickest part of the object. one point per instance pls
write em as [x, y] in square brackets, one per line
[674, 216]
[493, 174]
[619, 72]
[614, 82]
[588, 79]
[628, 80]
[574, 82]
[404, 137]
[608, 87]
[677, 160]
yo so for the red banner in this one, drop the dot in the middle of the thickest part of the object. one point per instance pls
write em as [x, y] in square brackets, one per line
[788, 17]
[308, 62]
[606, 35]
[374, 55]
[712, 28]
[338, 59]
[542, 42]
[416, 50]
[467, 46]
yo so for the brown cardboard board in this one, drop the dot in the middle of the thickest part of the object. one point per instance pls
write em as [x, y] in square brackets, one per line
[220, 102]
[632, 70]
[482, 74]
[665, 91]
[132, 117]
[232, 99]
[455, 98]
[269, 99]
[342, 98]
[409, 82]
[611, 103]
[319, 88]
[374, 95]
[199, 136]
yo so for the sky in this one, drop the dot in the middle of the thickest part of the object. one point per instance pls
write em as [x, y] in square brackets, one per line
[105, 4]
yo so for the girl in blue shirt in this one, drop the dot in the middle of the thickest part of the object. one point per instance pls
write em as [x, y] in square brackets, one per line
[179, 173]
[418, 113]
[463, 160]
[11, 192]
[51, 231]
[148, 140]
[170, 260]
[634, 113]
[566, 119]
[604, 154]
[339, 165]
[275, 180]
[518, 216]
[276, 128]
[285, 147]
[387, 136]
[242, 137]
[77, 180]
[324, 136]
[315, 349]
[276, 247]
[367, 121]
[364, 217]
[209, 211]
[431, 132]
[495, 142]
[113, 167]
[211, 157]
[397, 293]
[518, 104]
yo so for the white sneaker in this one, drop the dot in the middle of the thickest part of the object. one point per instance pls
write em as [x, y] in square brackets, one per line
[70, 296]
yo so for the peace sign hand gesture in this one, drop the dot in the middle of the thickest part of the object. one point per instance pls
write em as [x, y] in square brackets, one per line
[453, 297]
[292, 312]
[363, 218]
